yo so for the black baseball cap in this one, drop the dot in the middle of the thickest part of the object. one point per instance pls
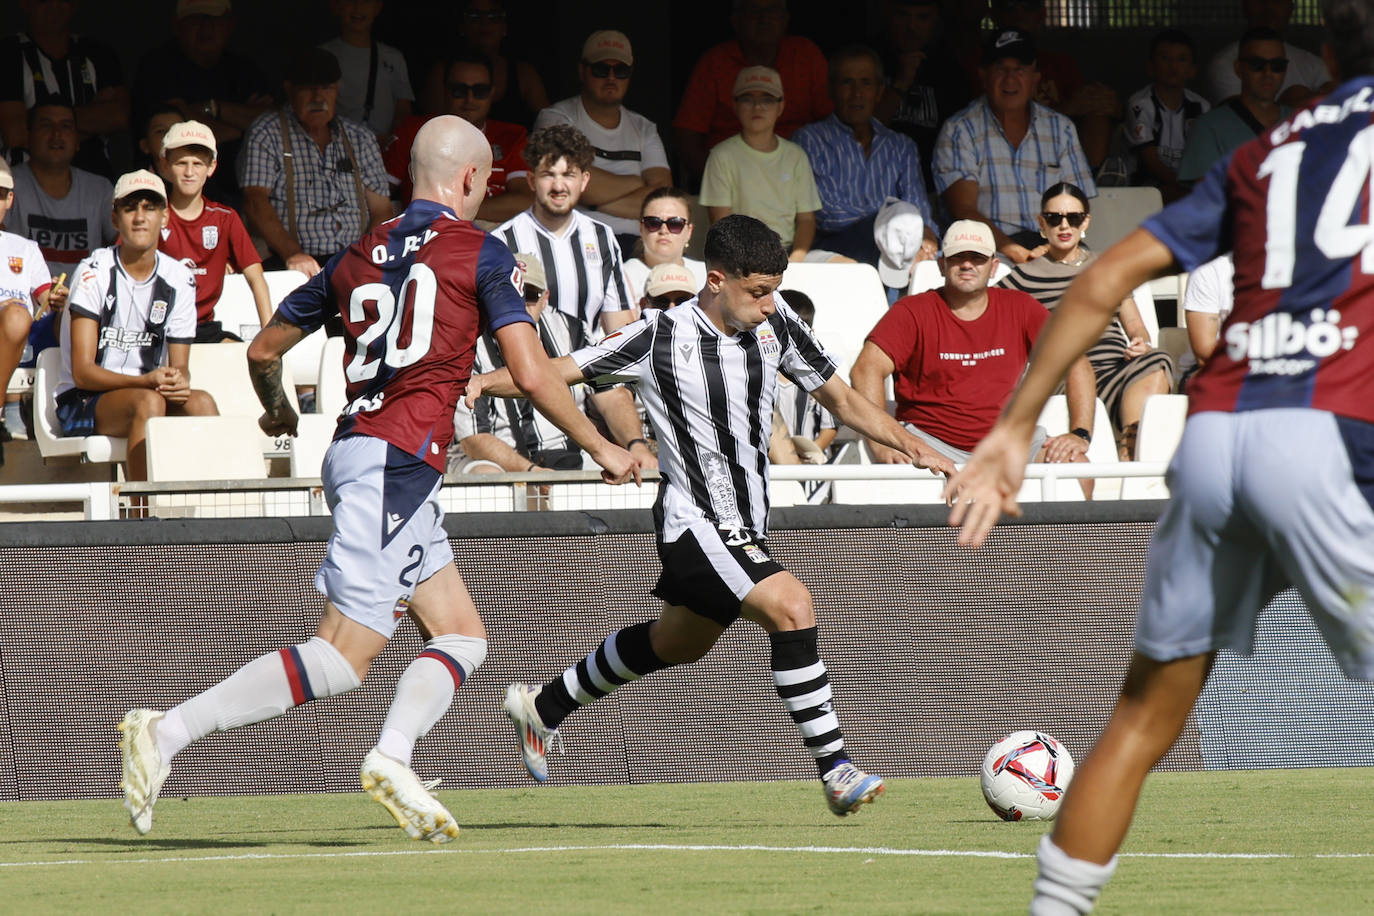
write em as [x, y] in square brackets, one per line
[1009, 43]
[312, 67]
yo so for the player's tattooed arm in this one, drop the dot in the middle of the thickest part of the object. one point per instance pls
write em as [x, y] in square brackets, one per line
[265, 369]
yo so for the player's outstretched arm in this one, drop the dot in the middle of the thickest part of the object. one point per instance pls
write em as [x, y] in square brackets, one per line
[854, 410]
[265, 369]
[987, 485]
[545, 383]
[499, 384]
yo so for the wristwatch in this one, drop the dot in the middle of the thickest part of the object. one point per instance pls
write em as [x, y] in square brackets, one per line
[1083, 434]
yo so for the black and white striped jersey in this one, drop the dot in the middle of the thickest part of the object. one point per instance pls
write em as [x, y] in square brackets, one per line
[710, 397]
[585, 272]
[802, 413]
[515, 420]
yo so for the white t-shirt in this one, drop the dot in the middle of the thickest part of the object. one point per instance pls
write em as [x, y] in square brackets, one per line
[1304, 69]
[135, 326]
[1210, 290]
[629, 149]
[65, 229]
[637, 273]
[393, 83]
[27, 276]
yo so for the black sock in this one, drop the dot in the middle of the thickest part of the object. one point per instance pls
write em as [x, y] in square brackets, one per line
[625, 656]
[802, 683]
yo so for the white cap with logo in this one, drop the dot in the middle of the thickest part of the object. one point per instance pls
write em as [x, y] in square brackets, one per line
[189, 133]
[965, 235]
[142, 180]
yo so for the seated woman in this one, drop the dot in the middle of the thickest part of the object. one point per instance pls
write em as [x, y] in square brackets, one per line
[127, 330]
[1127, 369]
[665, 230]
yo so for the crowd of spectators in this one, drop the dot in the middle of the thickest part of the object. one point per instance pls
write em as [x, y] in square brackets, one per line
[869, 154]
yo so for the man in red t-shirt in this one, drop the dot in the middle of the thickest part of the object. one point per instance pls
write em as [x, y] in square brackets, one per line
[207, 237]
[954, 353]
[468, 94]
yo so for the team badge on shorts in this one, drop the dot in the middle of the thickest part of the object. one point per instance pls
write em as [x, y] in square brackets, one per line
[158, 313]
[755, 553]
[17, 265]
[209, 237]
[402, 606]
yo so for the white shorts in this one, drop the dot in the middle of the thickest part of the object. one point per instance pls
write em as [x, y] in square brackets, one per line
[1262, 500]
[388, 530]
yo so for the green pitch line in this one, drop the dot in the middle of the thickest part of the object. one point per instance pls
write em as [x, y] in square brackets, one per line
[1234, 842]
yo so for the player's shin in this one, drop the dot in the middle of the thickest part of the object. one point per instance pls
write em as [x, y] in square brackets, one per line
[425, 691]
[804, 686]
[262, 689]
[625, 656]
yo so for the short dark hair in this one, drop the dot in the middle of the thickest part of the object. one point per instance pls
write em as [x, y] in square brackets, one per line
[559, 141]
[1351, 27]
[801, 304]
[50, 101]
[853, 52]
[661, 193]
[740, 245]
[467, 55]
[1172, 37]
[1259, 33]
[158, 108]
[1064, 187]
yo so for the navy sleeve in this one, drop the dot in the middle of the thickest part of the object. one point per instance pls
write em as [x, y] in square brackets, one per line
[311, 304]
[1197, 228]
[499, 295]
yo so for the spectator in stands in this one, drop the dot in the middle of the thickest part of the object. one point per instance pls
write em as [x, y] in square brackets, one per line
[992, 154]
[50, 64]
[508, 434]
[1093, 107]
[127, 333]
[665, 230]
[668, 286]
[859, 163]
[206, 237]
[30, 293]
[1160, 116]
[154, 128]
[1260, 67]
[580, 255]
[706, 114]
[954, 353]
[375, 87]
[467, 94]
[517, 90]
[1126, 369]
[802, 428]
[925, 84]
[758, 173]
[203, 80]
[630, 160]
[312, 181]
[63, 208]
[1207, 301]
[1304, 76]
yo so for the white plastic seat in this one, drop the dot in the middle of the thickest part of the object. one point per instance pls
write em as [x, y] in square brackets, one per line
[222, 370]
[48, 432]
[21, 381]
[1102, 450]
[303, 360]
[314, 433]
[1161, 428]
[1117, 212]
[238, 313]
[331, 393]
[849, 301]
[205, 448]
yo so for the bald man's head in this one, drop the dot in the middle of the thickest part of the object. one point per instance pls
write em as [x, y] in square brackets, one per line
[450, 162]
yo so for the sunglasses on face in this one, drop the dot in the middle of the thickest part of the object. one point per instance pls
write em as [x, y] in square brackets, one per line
[675, 224]
[478, 91]
[1257, 64]
[532, 294]
[602, 69]
[668, 301]
[1075, 219]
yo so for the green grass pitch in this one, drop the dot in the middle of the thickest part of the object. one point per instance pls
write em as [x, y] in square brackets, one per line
[1277, 841]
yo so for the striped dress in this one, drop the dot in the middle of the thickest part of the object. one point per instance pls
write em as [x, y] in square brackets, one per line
[1046, 280]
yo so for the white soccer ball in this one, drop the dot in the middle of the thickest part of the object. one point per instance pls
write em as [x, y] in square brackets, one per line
[1025, 775]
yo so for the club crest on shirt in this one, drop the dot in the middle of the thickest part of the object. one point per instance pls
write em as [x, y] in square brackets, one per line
[17, 265]
[209, 237]
[590, 252]
[768, 341]
[158, 313]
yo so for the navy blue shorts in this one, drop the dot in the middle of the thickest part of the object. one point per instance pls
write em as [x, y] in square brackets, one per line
[76, 411]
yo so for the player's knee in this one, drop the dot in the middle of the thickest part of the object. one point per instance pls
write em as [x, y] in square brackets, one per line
[149, 404]
[14, 325]
[794, 610]
[201, 404]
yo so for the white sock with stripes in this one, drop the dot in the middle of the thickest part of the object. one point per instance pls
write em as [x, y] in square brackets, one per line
[804, 686]
[264, 688]
[1066, 886]
[425, 691]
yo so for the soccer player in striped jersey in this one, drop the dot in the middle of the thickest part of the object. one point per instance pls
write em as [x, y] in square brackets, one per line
[1271, 483]
[411, 294]
[707, 374]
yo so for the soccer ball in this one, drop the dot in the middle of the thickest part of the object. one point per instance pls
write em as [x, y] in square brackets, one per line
[1025, 775]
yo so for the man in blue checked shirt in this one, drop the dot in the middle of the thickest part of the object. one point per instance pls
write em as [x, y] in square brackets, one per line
[859, 163]
[994, 158]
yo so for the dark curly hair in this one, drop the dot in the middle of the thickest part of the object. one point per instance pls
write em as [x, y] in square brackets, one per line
[740, 245]
[559, 141]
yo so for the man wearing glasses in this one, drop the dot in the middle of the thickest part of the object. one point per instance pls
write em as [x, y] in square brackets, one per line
[1305, 76]
[468, 94]
[1260, 66]
[630, 161]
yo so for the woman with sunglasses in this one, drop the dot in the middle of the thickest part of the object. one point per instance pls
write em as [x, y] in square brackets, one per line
[665, 229]
[1127, 369]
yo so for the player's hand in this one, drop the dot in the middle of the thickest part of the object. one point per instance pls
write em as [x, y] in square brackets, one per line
[159, 378]
[932, 460]
[283, 423]
[177, 388]
[1067, 447]
[988, 484]
[476, 385]
[648, 461]
[883, 454]
[304, 263]
[1138, 346]
[617, 465]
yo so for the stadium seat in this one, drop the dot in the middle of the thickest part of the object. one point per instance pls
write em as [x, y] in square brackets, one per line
[1102, 450]
[177, 449]
[1174, 341]
[1161, 427]
[314, 433]
[237, 312]
[330, 396]
[849, 300]
[21, 382]
[48, 432]
[1144, 299]
[222, 370]
[303, 360]
[1117, 212]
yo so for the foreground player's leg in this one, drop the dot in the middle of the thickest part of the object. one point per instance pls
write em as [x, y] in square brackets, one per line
[262, 689]
[442, 605]
[782, 605]
[1079, 857]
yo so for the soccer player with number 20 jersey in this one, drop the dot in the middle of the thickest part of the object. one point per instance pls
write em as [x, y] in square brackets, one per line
[412, 295]
[1273, 482]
